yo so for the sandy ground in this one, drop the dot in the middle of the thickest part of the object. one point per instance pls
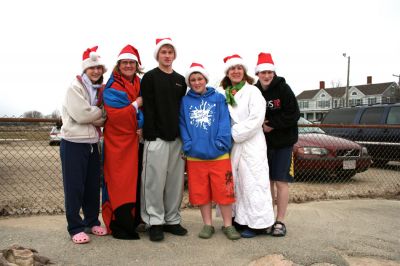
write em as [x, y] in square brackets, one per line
[341, 232]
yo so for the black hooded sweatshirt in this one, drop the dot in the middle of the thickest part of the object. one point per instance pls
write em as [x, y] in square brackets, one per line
[282, 113]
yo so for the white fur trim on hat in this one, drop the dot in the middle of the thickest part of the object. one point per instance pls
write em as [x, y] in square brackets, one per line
[234, 62]
[265, 67]
[162, 42]
[92, 61]
[127, 56]
[196, 68]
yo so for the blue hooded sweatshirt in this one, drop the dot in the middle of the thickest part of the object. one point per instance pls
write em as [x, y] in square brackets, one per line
[204, 124]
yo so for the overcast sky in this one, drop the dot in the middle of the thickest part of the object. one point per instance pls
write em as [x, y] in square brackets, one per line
[42, 41]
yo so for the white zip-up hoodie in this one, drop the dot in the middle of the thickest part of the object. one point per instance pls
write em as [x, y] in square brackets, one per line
[78, 115]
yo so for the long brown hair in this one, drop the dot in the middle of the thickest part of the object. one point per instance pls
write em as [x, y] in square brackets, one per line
[225, 82]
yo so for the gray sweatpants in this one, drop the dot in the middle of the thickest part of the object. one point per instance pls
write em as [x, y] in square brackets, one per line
[162, 182]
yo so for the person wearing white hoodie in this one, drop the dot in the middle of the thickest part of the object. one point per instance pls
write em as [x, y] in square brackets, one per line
[82, 118]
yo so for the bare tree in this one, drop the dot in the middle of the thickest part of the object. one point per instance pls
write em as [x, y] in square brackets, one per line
[55, 114]
[32, 114]
[336, 83]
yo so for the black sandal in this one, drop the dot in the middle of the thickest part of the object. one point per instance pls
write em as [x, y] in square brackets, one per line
[278, 231]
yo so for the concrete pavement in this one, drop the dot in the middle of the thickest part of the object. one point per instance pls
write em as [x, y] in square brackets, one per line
[343, 232]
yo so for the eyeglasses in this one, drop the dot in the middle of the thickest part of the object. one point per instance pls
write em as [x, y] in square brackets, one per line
[127, 62]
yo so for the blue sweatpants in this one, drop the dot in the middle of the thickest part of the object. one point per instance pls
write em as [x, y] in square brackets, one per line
[81, 178]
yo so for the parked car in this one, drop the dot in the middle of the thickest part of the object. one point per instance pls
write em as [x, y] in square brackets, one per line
[55, 136]
[383, 143]
[318, 154]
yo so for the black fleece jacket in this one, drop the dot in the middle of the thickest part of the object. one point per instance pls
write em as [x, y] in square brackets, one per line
[162, 94]
[282, 113]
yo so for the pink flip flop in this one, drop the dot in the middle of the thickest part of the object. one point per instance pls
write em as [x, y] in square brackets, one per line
[80, 238]
[99, 231]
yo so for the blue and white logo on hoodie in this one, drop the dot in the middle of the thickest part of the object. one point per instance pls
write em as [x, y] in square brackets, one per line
[202, 116]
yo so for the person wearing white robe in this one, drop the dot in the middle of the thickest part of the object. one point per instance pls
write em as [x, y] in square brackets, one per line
[253, 208]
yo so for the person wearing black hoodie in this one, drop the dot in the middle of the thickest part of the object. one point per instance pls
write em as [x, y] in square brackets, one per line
[281, 133]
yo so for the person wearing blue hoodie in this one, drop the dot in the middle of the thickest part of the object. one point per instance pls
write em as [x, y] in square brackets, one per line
[204, 124]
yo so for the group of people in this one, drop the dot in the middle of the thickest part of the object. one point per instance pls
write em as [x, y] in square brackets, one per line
[156, 126]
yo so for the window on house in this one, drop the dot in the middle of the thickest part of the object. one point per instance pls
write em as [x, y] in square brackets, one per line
[372, 100]
[303, 104]
[322, 95]
[354, 93]
[355, 102]
[323, 104]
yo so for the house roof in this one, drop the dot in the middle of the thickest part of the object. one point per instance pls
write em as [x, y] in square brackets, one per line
[368, 89]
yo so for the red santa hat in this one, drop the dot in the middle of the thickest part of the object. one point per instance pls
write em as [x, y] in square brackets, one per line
[264, 63]
[91, 58]
[196, 67]
[161, 42]
[131, 53]
[233, 60]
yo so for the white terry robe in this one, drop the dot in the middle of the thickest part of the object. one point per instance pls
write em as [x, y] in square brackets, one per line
[253, 205]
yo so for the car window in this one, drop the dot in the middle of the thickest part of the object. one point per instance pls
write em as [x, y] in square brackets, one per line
[394, 116]
[372, 116]
[303, 130]
[340, 116]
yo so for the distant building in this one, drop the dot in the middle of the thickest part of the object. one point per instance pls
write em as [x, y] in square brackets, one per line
[314, 104]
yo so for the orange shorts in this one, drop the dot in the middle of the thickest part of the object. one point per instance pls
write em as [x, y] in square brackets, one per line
[210, 181]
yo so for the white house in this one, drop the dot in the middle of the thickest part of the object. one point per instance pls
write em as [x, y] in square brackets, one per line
[315, 103]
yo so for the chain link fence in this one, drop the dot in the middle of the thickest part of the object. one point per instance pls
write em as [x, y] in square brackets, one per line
[326, 167]
[30, 168]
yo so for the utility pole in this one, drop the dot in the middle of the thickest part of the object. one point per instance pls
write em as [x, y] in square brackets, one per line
[398, 77]
[346, 96]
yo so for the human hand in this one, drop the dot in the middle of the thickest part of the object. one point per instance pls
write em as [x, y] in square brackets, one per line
[139, 101]
[139, 132]
[183, 156]
[266, 128]
[99, 122]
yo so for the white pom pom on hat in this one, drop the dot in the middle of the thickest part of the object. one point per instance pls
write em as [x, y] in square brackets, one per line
[264, 63]
[161, 42]
[196, 67]
[233, 60]
[91, 58]
[94, 56]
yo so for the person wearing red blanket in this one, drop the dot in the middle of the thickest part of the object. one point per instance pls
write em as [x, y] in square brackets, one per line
[122, 131]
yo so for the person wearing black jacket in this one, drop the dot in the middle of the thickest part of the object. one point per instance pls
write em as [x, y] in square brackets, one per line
[281, 133]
